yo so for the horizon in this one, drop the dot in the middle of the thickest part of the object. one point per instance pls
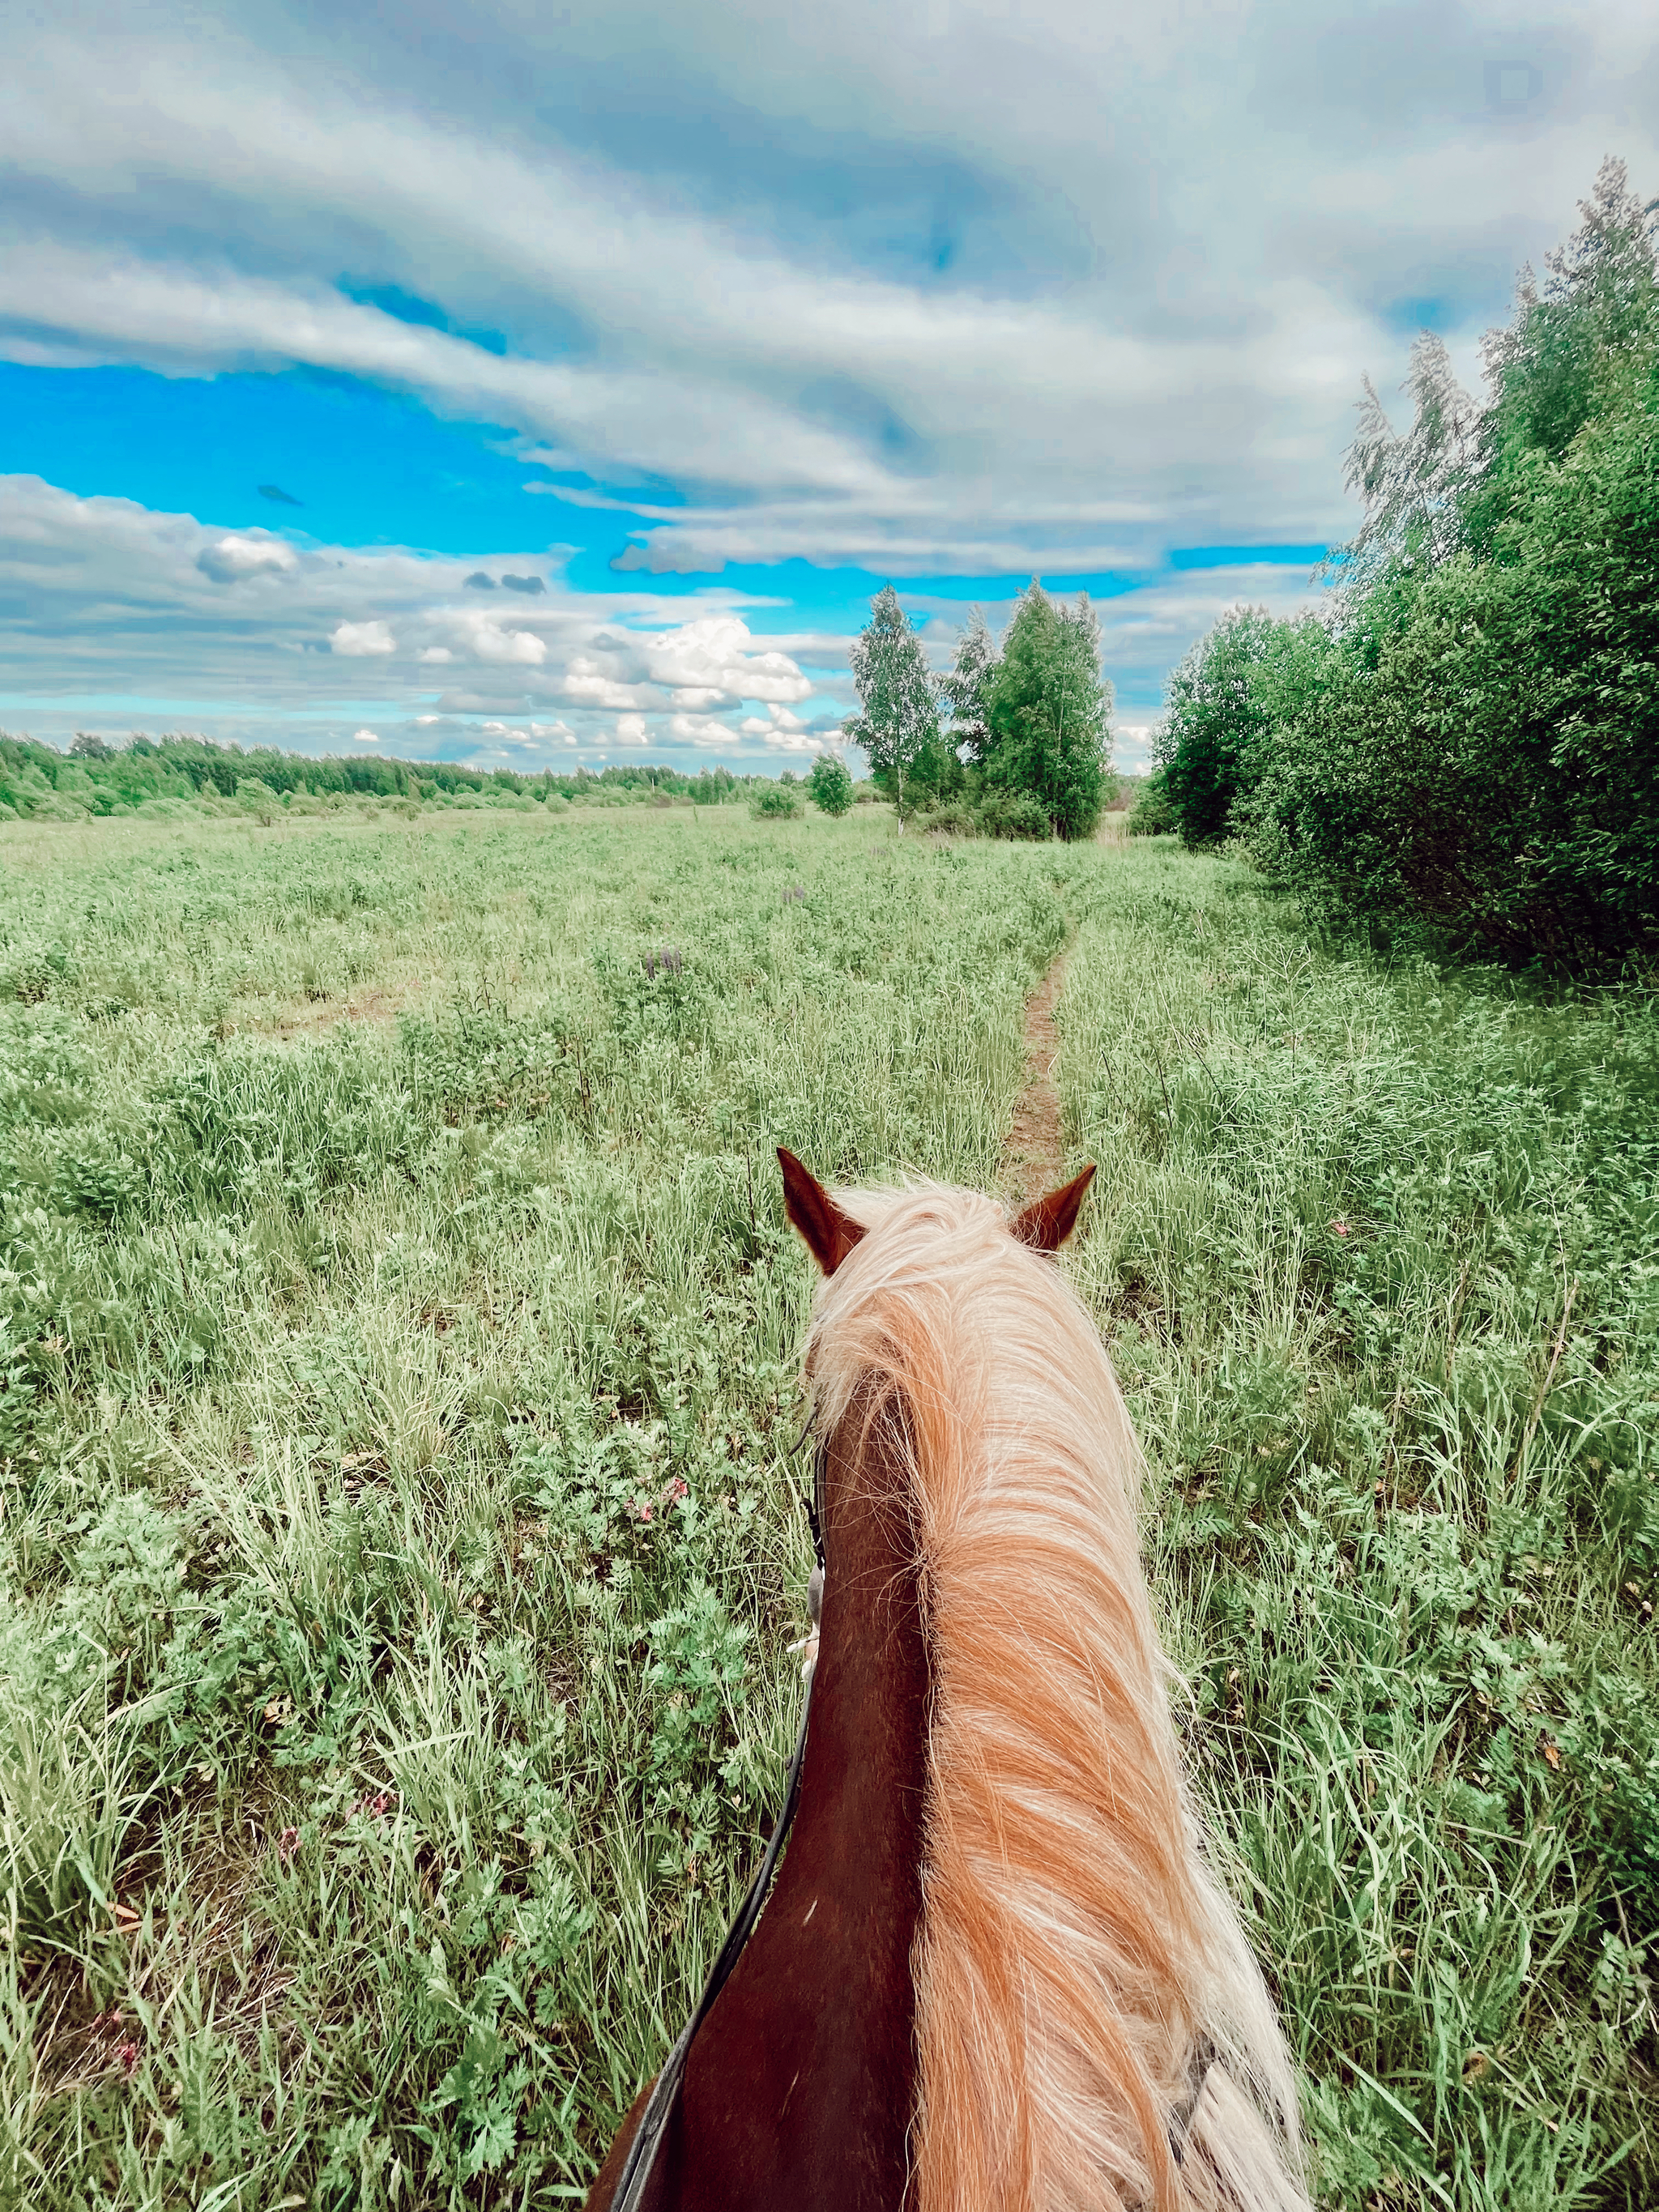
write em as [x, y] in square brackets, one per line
[465, 389]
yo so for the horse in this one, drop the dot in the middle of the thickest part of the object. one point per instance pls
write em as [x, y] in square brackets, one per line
[996, 1972]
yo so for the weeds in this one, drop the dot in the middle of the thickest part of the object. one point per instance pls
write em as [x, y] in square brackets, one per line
[398, 1333]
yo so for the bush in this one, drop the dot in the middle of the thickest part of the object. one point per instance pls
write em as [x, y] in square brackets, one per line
[775, 802]
[1013, 814]
[1484, 752]
[1151, 815]
[830, 787]
[1215, 726]
[953, 819]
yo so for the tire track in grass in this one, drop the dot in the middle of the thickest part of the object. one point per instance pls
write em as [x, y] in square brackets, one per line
[1034, 1150]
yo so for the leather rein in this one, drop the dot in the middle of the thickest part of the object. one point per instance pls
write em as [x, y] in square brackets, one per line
[645, 2149]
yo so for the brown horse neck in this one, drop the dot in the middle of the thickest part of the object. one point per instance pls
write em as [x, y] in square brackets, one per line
[800, 2086]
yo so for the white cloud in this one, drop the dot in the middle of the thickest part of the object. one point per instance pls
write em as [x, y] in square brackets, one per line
[367, 736]
[631, 730]
[702, 730]
[1132, 746]
[777, 721]
[971, 304]
[705, 662]
[487, 639]
[586, 681]
[240, 554]
[435, 655]
[1058, 291]
[362, 641]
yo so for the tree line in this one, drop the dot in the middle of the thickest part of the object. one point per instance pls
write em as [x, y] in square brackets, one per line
[1465, 746]
[95, 777]
[1014, 740]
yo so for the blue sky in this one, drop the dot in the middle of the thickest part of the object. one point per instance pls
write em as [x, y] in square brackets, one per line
[514, 383]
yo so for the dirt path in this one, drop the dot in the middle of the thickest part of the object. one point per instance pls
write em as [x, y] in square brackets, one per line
[1034, 1157]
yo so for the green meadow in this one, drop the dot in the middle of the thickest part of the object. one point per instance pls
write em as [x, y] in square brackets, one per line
[400, 1399]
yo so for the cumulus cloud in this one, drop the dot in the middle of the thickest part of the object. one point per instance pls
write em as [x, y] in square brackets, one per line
[705, 662]
[631, 730]
[103, 595]
[486, 639]
[782, 730]
[587, 683]
[704, 731]
[242, 554]
[361, 640]
[367, 736]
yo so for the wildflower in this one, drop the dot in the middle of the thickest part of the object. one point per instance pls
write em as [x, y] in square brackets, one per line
[1341, 1227]
[675, 1491]
[287, 1843]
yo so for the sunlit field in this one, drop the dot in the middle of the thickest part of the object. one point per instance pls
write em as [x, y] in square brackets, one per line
[399, 1333]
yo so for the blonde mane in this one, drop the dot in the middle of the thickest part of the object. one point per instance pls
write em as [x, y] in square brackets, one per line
[1075, 1949]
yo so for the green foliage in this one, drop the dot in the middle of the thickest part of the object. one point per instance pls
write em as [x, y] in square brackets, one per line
[1046, 709]
[1001, 812]
[1214, 730]
[1466, 751]
[189, 774]
[1151, 815]
[830, 785]
[1487, 756]
[897, 723]
[965, 690]
[776, 802]
[399, 1334]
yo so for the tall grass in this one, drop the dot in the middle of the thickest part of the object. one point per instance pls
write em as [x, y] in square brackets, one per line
[1375, 1252]
[398, 1329]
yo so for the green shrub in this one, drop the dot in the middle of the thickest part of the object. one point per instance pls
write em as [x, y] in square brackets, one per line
[1214, 726]
[953, 819]
[1003, 813]
[776, 802]
[830, 787]
[1487, 756]
[1151, 815]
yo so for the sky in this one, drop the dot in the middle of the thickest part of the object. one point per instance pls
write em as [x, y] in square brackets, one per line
[531, 384]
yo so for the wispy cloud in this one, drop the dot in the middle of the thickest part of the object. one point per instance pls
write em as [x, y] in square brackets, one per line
[937, 292]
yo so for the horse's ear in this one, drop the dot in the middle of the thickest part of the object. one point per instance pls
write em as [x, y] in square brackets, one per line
[829, 1233]
[1047, 1223]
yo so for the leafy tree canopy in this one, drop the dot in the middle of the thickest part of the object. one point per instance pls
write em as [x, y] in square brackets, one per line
[1473, 742]
[1046, 709]
[1214, 725]
[830, 785]
[897, 721]
[965, 690]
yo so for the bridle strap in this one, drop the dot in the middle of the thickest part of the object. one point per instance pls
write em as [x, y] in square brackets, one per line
[638, 2166]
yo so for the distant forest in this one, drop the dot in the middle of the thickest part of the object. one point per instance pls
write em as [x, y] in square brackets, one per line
[155, 777]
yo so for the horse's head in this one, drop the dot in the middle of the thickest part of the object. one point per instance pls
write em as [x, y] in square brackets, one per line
[871, 1354]
[829, 1233]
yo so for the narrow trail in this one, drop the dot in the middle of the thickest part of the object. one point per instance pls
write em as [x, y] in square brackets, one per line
[1033, 1154]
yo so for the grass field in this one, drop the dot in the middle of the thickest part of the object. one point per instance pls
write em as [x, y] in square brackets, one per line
[399, 1336]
